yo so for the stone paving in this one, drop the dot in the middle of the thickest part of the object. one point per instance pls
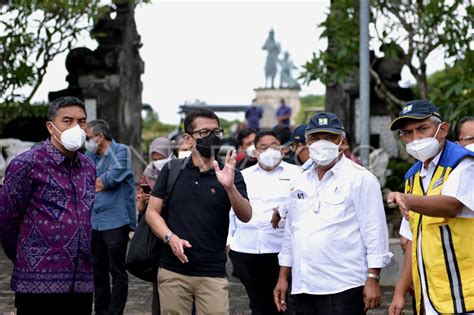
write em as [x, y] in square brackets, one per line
[140, 293]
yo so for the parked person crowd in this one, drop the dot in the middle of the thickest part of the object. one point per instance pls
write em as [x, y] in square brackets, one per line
[304, 223]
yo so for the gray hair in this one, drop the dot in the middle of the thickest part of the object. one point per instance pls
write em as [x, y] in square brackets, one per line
[436, 120]
[62, 102]
[100, 126]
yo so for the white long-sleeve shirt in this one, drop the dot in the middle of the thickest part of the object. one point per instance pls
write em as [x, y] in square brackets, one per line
[266, 191]
[335, 230]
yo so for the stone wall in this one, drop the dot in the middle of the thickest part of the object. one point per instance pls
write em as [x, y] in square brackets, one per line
[269, 100]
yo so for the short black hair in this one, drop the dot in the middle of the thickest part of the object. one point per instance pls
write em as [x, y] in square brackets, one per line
[195, 113]
[283, 133]
[264, 133]
[100, 126]
[457, 129]
[62, 102]
[244, 133]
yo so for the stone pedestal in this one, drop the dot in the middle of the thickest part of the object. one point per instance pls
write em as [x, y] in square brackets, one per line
[269, 100]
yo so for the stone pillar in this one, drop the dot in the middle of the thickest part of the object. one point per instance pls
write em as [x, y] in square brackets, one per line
[269, 100]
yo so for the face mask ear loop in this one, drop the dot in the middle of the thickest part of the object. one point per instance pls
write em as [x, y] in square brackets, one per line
[437, 130]
[57, 131]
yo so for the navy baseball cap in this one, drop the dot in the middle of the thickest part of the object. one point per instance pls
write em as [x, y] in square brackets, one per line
[324, 122]
[418, 109]
[297, 136]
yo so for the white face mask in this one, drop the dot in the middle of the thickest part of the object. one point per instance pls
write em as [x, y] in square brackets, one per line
[324, 152]
[249, 151]
[91, 145]
[470, 147]
[72, 139]
[158, 164]
[424, 149]
[183, 154]
[270, 158]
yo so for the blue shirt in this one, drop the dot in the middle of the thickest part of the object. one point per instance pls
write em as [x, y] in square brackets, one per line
[284, 110]
[253, 115]
[115, 205]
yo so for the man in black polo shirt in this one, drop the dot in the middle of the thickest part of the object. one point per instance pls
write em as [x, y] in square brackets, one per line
[192, 266]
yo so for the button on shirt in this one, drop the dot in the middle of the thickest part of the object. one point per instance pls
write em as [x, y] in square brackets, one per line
[335, 230]
[45, 205]
[458, 185]
[266, 191]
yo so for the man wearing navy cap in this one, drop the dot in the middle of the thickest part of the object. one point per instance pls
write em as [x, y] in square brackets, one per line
[438, 210]
[335, 239]
[297, 145]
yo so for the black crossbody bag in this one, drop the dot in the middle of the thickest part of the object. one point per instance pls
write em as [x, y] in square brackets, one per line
[143, 257]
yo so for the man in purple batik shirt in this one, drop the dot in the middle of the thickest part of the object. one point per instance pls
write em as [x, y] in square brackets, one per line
[283, 114]
[45, 217]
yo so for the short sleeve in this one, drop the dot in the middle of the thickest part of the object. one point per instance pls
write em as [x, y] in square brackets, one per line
[240, 184]
[460, 182]
[405, 230]
[159, 190]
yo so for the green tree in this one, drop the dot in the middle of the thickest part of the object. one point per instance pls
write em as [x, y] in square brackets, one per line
[33, 33]
[310, 104]
[452, 89]
[420, 27]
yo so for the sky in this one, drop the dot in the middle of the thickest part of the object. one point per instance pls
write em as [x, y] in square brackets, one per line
[211, 51]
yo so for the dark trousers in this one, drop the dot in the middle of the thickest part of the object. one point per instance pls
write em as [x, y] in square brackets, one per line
[343, 303]
[259, 275]
[109, 248]
[53, 304]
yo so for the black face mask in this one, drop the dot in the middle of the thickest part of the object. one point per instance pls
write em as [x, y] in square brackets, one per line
[208, 146]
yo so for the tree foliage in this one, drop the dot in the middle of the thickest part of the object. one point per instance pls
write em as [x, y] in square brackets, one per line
[310, 104]
[32, 33]
[453, 89]
[410, 30]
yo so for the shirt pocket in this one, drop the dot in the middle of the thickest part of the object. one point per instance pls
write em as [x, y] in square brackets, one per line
[332, 207]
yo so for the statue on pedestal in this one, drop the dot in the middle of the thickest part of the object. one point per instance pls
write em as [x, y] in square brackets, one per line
[286, 80]
[273, 49]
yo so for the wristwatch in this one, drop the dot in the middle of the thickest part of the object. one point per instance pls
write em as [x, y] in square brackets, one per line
[374, 276]
[168, 237]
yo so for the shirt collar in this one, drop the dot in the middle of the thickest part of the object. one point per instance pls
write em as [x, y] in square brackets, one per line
[57, 155]
[258, 168]
[190, 164]
[335, 170]
[433, 163]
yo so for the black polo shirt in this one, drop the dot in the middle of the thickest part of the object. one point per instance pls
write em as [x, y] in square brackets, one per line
[198, 211]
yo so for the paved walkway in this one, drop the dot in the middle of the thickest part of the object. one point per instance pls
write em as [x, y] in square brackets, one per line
[140, 292]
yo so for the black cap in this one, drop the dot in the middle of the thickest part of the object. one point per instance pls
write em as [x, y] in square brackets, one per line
[324, 122]
[418, 109]
[297, 136]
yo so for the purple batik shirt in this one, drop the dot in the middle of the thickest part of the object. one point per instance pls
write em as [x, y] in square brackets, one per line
[45, 209]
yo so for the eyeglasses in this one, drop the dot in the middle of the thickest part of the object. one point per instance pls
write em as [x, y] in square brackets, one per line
[262, 149]
[466, 138]
[204, 133]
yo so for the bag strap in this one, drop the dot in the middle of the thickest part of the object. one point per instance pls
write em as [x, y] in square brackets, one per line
[175, 165]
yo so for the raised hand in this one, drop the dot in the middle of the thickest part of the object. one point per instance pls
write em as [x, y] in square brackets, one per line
[226, 175]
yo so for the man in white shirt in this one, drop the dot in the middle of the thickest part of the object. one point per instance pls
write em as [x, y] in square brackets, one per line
[439, 203]
[254, 246]
[335, 239]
